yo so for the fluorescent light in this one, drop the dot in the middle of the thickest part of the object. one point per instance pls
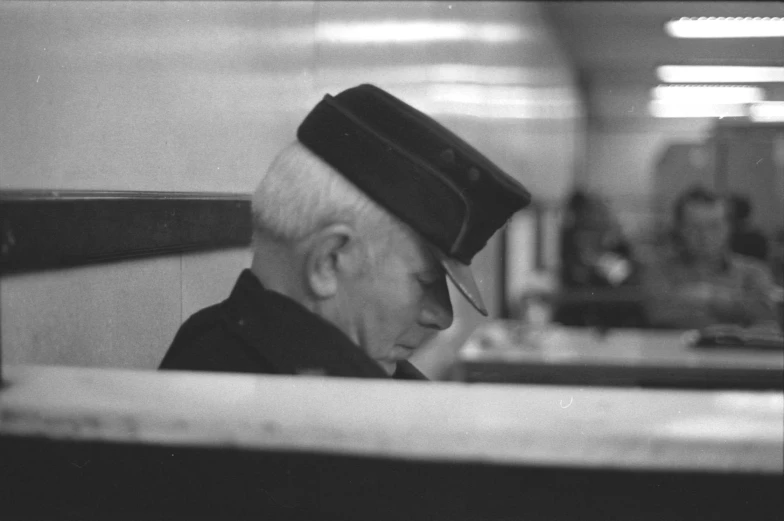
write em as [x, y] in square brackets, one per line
[543, 112]
[664, 109]
[721, 27]
[489, 95]
[768, 111]
[444, 73]
[417, 31]
[708, 93]
[764, 111]
[719, 74]
[496, 102]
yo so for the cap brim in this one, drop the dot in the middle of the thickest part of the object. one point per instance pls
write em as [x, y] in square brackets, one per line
[462, 277]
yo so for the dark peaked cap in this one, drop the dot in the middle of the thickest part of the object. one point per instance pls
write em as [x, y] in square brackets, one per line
[422, 173]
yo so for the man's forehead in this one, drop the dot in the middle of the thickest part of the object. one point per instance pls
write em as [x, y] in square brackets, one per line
[426, 260]
[416, 250]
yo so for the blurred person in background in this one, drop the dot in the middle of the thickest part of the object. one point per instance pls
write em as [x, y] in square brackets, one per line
[594, 252]
[698, 281]
[744, 238]
[777, 257]
[595, 257]
[776, 261]
[356, 226]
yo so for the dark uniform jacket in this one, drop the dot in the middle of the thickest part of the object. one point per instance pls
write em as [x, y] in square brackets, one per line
[260, 331]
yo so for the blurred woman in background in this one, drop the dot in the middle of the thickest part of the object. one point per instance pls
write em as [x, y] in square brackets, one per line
[596, 260]
[745, 239]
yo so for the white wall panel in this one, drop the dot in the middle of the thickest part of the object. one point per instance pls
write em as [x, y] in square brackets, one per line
[149, 96]
[120, 314]
[208, 278]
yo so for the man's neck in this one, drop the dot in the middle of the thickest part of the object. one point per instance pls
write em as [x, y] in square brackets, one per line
[276, 267]
[280, 268]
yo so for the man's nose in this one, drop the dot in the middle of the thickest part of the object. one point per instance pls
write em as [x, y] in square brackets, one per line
[437, 308]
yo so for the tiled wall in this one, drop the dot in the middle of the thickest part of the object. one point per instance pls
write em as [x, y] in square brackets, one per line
[199, 97]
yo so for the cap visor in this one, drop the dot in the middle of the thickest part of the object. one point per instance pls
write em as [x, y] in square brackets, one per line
[462, 277]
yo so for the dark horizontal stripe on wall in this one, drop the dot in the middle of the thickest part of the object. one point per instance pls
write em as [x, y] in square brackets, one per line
[53, 229]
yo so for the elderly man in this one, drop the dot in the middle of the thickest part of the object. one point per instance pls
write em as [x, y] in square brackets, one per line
[356, 225]
[701, 282]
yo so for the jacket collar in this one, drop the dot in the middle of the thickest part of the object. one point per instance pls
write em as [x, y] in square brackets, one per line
[292, 338]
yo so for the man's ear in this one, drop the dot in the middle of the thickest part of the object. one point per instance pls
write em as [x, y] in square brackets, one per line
[333, 253]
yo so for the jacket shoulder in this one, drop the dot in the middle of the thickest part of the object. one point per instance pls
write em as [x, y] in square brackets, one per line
[204, 342]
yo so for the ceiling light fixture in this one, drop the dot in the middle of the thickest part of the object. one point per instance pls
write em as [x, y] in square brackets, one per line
[720, 94]
[721, 27]
[667, 109]
[492, 102]
[767, 111]
[719, 74]
[417, 31]
[446, 73]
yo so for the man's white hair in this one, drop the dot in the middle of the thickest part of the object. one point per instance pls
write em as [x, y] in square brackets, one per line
[300, 193]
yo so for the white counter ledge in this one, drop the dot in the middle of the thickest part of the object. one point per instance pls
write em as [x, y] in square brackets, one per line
[509, 424]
